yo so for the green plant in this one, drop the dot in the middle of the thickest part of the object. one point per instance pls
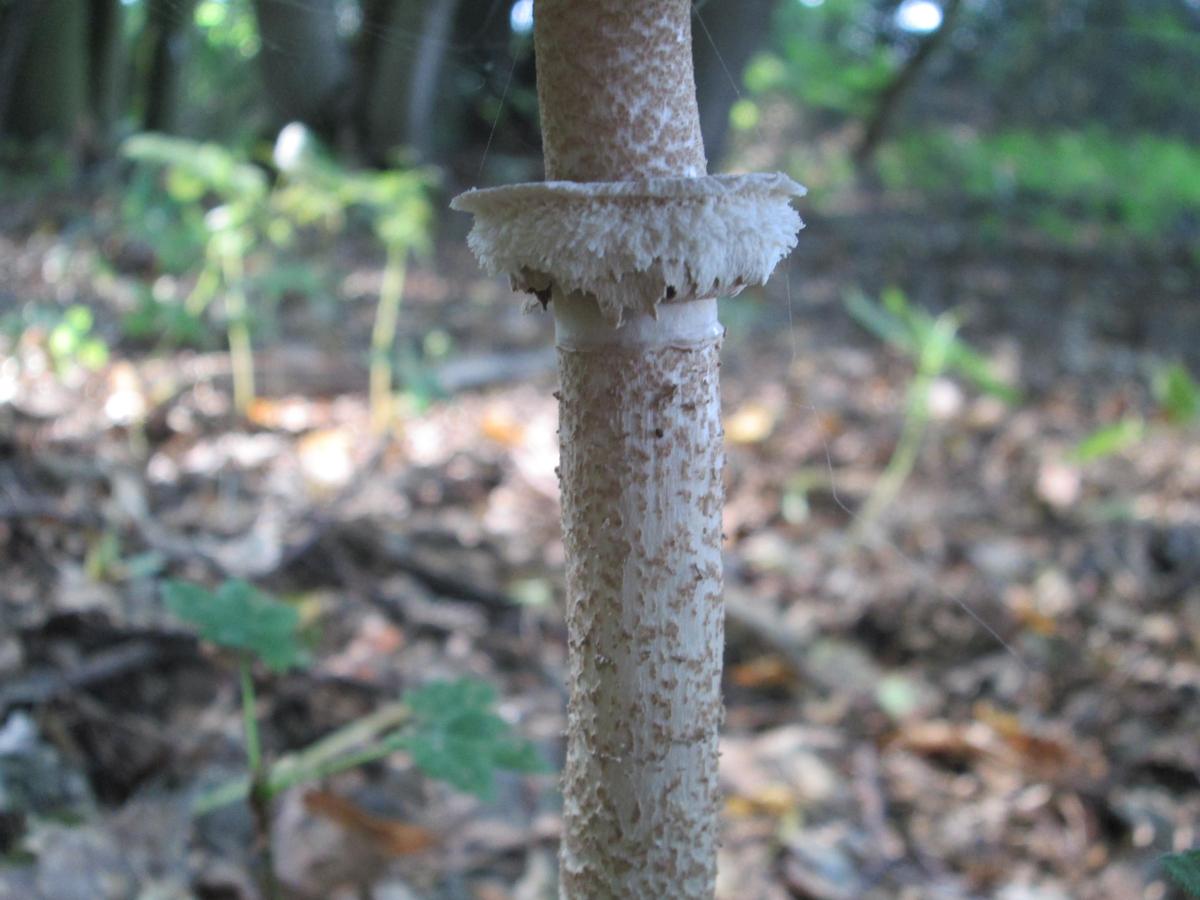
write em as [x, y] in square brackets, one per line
[158, 317]
[935, 347]
[71, 342]
[1109, 439]
[239, 617]
[1176, 393]
[1073, 186]
[827, 56]
[449, 727]
[194, 172]
[395, 203]
[1184, 868]
[244, 213]
[65, 337]
[1177, 396]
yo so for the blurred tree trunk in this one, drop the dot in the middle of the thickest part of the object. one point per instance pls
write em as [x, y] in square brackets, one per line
[49, 86]
[405, 46]
[427, 76]
[16, 24]
[305, 66]
[728, 33]
[165, 41]
[104, 70]
[892, 96]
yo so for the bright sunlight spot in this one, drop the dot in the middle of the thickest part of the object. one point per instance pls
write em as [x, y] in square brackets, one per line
[521, 17]
[291, 146]
[811, 4]
[919, 16]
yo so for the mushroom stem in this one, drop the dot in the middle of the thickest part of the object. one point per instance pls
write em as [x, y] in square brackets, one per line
[630, 243]
[640, 473]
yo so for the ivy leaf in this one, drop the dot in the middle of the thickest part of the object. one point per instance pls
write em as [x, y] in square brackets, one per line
[238, 616]
[457, 738]
[1184, 868]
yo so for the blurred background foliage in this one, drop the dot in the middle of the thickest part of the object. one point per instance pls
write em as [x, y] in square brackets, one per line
[1067, 124]
[1067, 115]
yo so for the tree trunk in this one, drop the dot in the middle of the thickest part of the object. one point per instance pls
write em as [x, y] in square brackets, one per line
[16, 24]
[165, 43]
[305, 67]
[394, 30]
[104, 70]
[427, 77]
[897, 89]
[631, 243]
[49, 90]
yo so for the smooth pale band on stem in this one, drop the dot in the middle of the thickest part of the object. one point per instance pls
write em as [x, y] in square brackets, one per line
[630, 244]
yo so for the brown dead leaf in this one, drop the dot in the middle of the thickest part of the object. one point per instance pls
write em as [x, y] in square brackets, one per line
[1025, 610]
[776, 800]
[965, 742]
[1046, 754]
[751, 424]
[293, 414]
[502, 427]
[763, 671]
[395, 837]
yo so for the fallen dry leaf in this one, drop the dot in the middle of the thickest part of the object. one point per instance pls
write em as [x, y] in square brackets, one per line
[502, 427]
[763, 671]
[395, 837]
[777, 800]
[750, 424]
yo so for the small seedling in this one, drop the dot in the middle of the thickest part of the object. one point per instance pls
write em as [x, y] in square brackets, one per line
[457, 738]
[1177, 396]
[239, 617]
[396, 204]
[1108, 440]
[71, 342]
[911, 330]
[66, 338]
[194, 172]
[1176, 393]
[313, 193]
[934, 345]
[448, 727]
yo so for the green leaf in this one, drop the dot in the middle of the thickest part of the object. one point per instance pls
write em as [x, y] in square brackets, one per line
[979, 371]
[238, 616]
[1184, 868]
[880, 322]
[457, 738]
[1177, 393]
[78, 319]
[912, 330]
[1109, 440]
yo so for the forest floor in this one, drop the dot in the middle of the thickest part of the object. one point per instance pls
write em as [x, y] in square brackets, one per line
[988, 688]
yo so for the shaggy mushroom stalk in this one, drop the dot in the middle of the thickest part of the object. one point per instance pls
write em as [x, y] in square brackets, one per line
[630, 243]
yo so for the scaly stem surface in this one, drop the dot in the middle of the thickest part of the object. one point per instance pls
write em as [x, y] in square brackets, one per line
[641, 467]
